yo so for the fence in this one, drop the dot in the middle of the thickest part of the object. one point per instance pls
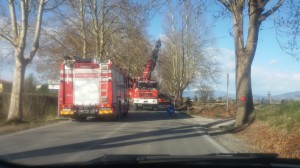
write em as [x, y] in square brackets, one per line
[35, 106]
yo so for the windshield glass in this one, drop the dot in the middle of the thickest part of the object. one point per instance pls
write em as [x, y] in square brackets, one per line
[80, 79]
[146, 85]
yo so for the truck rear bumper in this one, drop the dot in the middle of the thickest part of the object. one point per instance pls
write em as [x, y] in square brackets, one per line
[86, 112]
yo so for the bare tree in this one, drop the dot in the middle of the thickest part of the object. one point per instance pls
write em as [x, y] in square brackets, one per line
[183, 59]
[245, 48]
[18, 39]
[83, 26]
[124, 36]
[205, 92]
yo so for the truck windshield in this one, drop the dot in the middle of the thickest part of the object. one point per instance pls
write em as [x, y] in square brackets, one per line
[144, 85]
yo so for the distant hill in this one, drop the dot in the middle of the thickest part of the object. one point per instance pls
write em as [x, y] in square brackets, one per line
[217, 93]
[289, 95]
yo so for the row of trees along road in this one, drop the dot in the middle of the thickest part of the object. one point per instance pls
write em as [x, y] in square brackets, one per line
[183, 59]
[84, 27]
[104, 29]
[116, 30]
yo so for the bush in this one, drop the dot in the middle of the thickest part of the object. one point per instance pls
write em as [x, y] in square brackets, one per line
[4, 105]
[35, 107]
[188, 102]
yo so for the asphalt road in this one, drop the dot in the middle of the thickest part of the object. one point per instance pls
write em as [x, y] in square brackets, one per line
[140, 133]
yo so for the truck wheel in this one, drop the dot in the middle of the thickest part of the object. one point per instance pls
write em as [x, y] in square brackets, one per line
[80, 119]
[116, 117]
[136, 107]
[125, 114]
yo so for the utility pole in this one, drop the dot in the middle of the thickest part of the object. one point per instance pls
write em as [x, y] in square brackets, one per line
[227, 102]
[269, 96]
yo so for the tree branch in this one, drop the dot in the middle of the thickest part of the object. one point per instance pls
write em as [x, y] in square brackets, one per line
[55, 6]
[7, 39]
[24, 26]
[225, 4]
[14, 27]
[37, 30]
[271, 11]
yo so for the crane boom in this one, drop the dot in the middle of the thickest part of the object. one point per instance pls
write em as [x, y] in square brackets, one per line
[152, 61]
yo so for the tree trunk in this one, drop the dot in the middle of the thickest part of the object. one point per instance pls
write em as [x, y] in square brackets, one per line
[16, 99]
[96, 28]
[243, 91]
[82, 19]
[244, 57]
[101, 33]
[245, 54]
[179, 98]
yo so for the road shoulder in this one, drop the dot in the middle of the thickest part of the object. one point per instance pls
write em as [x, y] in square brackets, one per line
[215, 129]
[6, 129]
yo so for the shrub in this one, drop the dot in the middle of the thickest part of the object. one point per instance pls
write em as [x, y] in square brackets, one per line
[35, 106]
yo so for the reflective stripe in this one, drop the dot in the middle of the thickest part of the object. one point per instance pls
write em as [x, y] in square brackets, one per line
[66, 112]
[101, 112]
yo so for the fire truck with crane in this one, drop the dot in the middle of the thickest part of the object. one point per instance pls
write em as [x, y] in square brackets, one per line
[144, 91]
[89, 88]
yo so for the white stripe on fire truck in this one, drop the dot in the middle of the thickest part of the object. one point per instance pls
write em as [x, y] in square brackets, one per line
[70, 79]
[84, 70]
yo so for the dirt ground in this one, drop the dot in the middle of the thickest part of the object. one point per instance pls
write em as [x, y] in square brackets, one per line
[214, 110]
[15, 127]
[271, 140]
[258, 134]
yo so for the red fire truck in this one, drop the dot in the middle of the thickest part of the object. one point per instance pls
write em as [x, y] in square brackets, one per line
[144, 92]
[89, 88]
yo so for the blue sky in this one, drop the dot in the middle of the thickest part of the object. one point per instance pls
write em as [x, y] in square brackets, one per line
[272, 69]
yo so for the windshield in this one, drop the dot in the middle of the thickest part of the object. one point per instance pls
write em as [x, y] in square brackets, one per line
[148, 85]
[78, 79]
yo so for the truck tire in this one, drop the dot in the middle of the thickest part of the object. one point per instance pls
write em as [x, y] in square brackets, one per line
[116, 117]
[154, 108]
[80, 119]
[125, 114]
[135, 107]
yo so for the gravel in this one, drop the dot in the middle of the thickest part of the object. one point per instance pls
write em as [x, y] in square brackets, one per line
[234, 144]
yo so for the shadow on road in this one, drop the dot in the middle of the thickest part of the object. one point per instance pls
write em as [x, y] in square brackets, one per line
[111, 142]
[219, 127]
[142, 135]
[141, 116]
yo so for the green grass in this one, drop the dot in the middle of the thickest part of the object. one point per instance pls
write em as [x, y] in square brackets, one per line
[284, 116]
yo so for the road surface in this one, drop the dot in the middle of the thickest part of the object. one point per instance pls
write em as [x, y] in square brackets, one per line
[142, 132]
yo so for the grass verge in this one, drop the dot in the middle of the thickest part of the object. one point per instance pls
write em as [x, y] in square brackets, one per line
[284, 117]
